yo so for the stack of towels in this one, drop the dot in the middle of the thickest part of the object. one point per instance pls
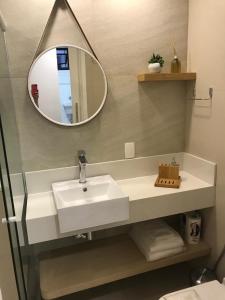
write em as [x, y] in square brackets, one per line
[156, 240]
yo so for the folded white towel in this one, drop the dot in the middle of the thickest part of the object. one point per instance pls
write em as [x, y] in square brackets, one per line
[187, 295]
[162, 254]
[156, 239]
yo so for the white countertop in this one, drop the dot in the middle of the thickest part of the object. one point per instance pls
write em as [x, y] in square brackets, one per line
[42, 205]
[143, 187]
[146, 201]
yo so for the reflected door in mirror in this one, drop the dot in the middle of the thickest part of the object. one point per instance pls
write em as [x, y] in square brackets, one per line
[67, 85]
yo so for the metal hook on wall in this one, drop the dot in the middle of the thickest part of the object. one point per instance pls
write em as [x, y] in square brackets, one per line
[203, 99]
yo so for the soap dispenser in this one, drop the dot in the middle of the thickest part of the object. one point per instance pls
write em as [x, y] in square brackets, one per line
[175, 64]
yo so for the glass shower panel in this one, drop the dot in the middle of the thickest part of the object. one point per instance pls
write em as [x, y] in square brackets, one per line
[9, 216]
[13, 190]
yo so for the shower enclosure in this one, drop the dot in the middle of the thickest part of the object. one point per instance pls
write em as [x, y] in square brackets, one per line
[12, 192]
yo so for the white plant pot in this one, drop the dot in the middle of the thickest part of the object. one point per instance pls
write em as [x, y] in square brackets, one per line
[154, 68]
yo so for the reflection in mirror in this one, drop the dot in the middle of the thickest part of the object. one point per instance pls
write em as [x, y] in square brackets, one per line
[67, 85]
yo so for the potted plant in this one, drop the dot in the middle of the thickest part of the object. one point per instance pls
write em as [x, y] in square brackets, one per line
[155, 63]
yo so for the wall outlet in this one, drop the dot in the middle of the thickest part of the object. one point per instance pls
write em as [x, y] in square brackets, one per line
[130, 150]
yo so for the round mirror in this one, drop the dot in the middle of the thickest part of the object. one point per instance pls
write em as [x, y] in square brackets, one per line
[67, 85]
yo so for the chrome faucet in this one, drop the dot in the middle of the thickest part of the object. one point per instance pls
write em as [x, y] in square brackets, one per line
[82, 166]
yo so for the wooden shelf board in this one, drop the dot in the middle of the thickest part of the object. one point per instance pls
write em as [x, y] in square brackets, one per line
[166, 76]
[95, 263]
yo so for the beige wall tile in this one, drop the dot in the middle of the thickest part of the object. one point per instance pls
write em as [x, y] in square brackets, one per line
[123, 34]
[131, 113]
[26, 21]
[62, 29]
[126, 33]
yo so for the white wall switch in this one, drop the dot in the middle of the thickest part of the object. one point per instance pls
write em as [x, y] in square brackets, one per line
[129, 150]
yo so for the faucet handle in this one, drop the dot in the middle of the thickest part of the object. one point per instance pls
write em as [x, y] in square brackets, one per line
[81, 156]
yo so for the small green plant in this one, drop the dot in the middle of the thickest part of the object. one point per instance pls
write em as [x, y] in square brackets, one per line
[156, 58]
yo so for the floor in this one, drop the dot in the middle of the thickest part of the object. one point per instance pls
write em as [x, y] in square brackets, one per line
[148, 286]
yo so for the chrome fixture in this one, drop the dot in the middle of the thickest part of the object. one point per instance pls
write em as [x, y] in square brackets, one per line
[203, 99]
[84, 236]
[82, 166]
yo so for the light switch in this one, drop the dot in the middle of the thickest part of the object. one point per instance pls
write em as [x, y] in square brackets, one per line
[130, 150]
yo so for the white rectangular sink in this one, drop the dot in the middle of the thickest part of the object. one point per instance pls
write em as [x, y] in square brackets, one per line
[102, 203]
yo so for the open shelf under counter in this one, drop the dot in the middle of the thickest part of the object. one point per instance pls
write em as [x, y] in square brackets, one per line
[146, 77]
[95, 263]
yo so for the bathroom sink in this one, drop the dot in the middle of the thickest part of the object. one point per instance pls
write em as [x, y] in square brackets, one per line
[98, 202]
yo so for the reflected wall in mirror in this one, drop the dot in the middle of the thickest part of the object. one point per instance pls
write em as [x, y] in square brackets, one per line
[67, 85]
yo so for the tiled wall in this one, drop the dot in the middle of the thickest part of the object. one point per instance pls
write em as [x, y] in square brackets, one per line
[123, 34]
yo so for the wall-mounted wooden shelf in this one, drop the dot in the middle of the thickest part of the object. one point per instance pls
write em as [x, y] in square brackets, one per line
[166, 77]
[95, 263]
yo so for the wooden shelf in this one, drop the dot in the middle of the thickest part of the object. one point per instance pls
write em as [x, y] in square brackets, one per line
[91, 264]
[166, 77]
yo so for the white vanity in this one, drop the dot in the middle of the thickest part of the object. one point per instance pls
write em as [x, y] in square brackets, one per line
[136, 178]
[136, 199]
